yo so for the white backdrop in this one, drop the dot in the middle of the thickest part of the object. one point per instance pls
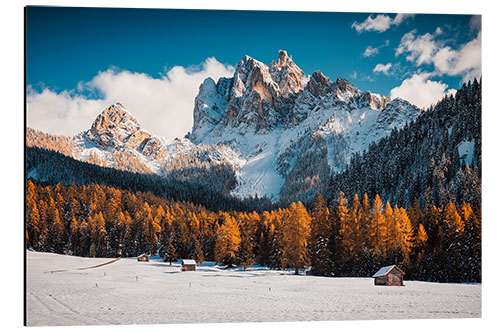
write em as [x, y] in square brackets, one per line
[12, 194]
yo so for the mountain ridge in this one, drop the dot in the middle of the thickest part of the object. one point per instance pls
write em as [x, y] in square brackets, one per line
[263, 111]
[283, 133]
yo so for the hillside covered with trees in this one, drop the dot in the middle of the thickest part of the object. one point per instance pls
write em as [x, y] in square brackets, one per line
[206, 186]
[426, 159]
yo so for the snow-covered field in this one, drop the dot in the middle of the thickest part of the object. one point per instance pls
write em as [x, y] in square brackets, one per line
[131, 292]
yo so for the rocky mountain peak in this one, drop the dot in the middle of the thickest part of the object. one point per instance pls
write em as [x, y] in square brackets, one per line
[396, 113]
[250, 75]
[283, 58]
[379, 102]
[260, 96]
[209, 105]
[319, 84]
[343, 87]
[348, 92]
[116, 127]
[289, 77]
[114, 118]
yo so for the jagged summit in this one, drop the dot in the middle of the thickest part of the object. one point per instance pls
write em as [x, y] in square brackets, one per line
[257, 98]
[114, 117]
[319, 84]
[276, 117]
[345, 90]
[117, 128]
[348, 92]
[290, 78]
[283, 58]
[283, 77]
[345, 85]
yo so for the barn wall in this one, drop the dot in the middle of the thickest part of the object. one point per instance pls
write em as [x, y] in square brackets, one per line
[395, 278]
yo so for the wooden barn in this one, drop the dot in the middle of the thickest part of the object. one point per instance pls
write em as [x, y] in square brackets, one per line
[143, 257]
[389, 276]
[188, 265]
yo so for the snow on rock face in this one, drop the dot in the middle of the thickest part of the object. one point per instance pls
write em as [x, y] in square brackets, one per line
[356, 98]
[466, 151]
[116, 129]
[289, 77]
[113, 126]
[115, 136]
[319, 84]
[396, 114]
[265, 113]
[345, 90]
[260, 98]
[210, 104]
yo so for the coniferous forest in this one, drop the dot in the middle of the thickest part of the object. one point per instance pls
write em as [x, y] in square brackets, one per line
[408, 200]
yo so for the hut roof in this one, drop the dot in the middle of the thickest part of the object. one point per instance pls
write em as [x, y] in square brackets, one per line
[188, 262]
[385, 270]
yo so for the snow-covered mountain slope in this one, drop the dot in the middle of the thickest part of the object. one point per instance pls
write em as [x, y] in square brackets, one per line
[282, 132]
[117, 140]
[275, 116]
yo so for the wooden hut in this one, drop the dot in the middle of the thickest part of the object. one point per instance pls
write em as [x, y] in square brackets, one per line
[143, 257]
[188, 265]
[389, 276]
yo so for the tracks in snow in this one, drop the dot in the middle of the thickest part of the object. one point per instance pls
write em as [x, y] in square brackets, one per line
[84, 268]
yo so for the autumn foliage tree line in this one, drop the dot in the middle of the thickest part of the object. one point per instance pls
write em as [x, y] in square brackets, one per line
[341, 238]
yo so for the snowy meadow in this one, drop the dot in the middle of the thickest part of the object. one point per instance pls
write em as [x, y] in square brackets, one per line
[65, 290]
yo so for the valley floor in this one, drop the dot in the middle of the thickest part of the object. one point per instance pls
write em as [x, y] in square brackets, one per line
[126, 291]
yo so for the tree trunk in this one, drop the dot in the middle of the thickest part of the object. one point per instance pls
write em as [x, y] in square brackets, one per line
[296, 271]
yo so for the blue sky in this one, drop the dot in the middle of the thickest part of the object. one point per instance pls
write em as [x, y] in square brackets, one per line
[77, 58]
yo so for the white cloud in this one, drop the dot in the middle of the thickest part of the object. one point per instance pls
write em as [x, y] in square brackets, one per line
[381, 68]
[380, 23]
[467, 60]
[60, 113]
[420, 49]
[401, 17]
[163, 106]
[370, 51]
[421, 91]
[426, 49]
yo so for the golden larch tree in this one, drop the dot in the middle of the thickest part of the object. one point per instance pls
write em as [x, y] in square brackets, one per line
[297, 227]
[227, 241]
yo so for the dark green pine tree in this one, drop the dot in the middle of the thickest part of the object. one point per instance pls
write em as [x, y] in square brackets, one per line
[275, 252]
[321, 256]
[245, 256]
